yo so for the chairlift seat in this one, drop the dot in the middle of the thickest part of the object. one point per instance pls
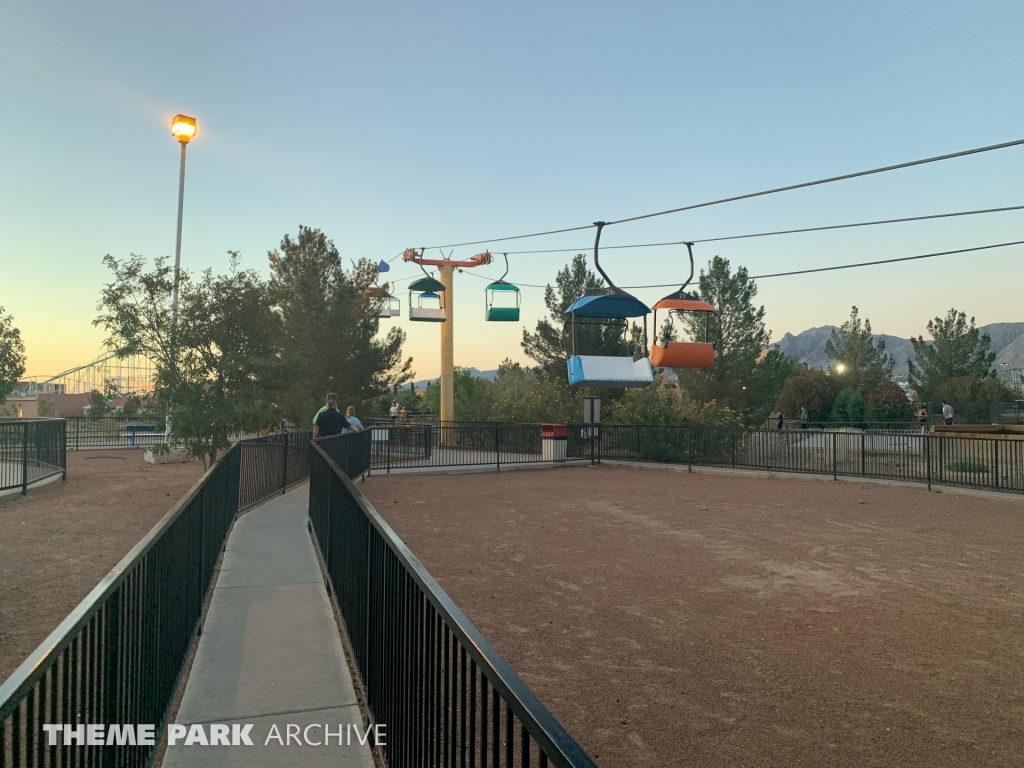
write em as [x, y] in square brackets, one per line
[432, 290]
[683, 354]
[391, 307]
[605, 371]
[429, 314]
[502, 313]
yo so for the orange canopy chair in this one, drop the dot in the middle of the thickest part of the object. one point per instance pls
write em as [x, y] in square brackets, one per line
[683, 354]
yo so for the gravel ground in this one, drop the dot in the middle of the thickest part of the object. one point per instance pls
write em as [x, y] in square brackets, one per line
[57, 543]
[708, 619]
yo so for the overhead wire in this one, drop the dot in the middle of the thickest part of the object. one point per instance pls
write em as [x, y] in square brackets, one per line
[778, 232]
[815, 269]
[749, 195]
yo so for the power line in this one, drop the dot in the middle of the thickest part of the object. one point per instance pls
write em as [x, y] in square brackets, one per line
[750, 195]
[829, 180]
[779, 232]
[816, 269]
[888, 261]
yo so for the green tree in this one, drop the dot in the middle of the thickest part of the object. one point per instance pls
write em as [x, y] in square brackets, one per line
[529, 396]
[213, 365]
[656, 405]
[472, 396]
[44, 408]
[97, 404]
[12, 355]
[888, 403]
[853, 347]
[956, 365]
[811, 389]
[745, 379]
[328, 340]
[849, 409]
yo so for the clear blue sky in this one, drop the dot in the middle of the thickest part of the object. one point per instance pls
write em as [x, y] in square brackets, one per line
[392, 125]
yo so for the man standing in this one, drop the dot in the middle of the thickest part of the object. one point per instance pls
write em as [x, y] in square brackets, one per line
[329, 422]
[803, 417]
[947, 413]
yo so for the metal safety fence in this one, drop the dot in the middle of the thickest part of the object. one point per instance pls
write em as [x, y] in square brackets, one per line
[446, 695]
[454, 444]
[993, 463]
[31, 450]
[118, 657]
[988, 463]
[85, 432]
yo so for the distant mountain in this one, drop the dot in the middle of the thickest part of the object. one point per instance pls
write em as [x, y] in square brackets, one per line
[474, 372]
[809, 346]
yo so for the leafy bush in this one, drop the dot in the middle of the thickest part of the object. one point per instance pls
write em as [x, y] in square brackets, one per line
[967, 466]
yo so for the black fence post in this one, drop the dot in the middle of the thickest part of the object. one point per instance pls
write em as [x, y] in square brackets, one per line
[24, 461]
[995, 460]
[835, 455]
[863, 439]
[497, 447]
[284, 468]
[928, 458]
[590, 431]
[689, 450]
[112, 668]
[388, 441]
[78, 429]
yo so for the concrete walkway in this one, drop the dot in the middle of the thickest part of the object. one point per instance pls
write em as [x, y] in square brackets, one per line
[270, 654]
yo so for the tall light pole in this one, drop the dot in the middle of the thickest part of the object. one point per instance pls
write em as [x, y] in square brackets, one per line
[183, 128]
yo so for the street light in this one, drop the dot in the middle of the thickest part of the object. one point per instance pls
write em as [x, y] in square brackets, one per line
[840, 368]
[183, 128]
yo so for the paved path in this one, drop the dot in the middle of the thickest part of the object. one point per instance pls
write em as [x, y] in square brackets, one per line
[270, 653]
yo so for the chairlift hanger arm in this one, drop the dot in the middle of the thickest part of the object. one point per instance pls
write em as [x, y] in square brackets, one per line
[612, 288]
[415, 257]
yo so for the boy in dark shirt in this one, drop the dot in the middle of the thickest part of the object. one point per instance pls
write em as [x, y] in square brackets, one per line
[329, 422]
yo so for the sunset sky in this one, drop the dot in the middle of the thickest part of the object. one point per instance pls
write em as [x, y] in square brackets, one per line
[397, 124]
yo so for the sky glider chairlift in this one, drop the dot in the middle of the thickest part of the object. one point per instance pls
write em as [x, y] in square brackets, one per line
[614, 304]
[385, 304]
[426, 301]
[499, 298]
[684, 354]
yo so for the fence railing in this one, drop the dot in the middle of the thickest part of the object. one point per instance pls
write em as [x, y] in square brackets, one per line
[31, 450]
[977, 462]
[446, 695]
[118, 657]
[85, 432]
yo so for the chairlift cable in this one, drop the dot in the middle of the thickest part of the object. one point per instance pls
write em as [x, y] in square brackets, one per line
[783, 231]
[816, 269]
[749, 195]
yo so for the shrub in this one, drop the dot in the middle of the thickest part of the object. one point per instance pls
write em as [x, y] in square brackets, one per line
[967, 466]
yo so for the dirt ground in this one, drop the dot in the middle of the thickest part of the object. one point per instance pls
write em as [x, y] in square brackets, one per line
[57, 543]
[674, 619]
